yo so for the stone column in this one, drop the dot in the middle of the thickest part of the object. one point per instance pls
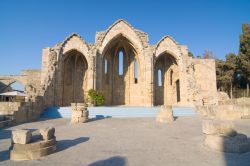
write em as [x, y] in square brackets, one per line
[79, 113]
[92, 69]
[148, 76]
[182, 73]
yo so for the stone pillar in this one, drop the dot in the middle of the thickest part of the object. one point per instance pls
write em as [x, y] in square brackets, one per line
[182, 63]
[98, 71]
[165, 115]
[148, 76]
[79, 113]
[92, 69]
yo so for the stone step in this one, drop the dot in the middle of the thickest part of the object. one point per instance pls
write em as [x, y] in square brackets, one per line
[116, 112]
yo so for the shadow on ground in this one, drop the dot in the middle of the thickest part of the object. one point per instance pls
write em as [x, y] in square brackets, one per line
[5, 134]
[65, 144]
[237, 159]
[4, 155]
[112, 161]
[99, 117]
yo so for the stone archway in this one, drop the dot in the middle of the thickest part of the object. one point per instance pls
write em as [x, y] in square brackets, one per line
[121, 73]
[74, 77]
[166, 80]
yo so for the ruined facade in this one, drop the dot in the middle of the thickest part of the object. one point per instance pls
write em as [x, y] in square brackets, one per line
[126, 69]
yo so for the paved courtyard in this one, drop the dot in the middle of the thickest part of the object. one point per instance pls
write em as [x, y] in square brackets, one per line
[128, 142]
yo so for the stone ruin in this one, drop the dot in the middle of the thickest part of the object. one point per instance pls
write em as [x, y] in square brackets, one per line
[165, 115]
[227, 110]
[26, 146]
[80, 113]
[72, 67]
[222, 136]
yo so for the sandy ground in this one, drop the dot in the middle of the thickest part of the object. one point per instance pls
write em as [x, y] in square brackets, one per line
[128, 142]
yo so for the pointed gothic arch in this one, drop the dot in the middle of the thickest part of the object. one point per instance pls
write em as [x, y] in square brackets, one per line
[121, 81]
[165, 92]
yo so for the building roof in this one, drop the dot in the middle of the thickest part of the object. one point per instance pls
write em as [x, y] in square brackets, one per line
[13, 93]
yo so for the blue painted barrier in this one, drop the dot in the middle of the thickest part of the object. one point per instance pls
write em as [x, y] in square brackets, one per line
[116, 112]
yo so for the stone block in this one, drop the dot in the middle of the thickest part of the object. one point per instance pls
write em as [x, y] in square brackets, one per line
[21, 136]
[236, 144]
[82, 119]
[34, 145]
[85, 114]
[165, 115]
[74, 119]
[217, 127]
[47, 133]
[33, 150]
[81, 107]
[77, 113]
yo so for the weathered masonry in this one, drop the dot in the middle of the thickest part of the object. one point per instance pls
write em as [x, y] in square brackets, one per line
[126, 69]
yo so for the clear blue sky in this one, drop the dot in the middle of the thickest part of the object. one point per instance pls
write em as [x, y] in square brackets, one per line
[27, 26]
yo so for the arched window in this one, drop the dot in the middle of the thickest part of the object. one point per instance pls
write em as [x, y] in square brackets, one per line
[171, 77]
[105, 66]
[178, 95]
[136, 71]
[120, 63]
[159, 74]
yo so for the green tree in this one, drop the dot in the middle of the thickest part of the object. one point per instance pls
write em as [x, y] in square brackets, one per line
[230, 70]
[226, 73]
[244, 56]
[220, 74]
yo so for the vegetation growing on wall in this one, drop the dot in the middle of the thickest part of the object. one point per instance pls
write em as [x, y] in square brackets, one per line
[96, 97]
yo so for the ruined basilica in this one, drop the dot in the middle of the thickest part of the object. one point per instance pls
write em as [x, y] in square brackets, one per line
[125, 68]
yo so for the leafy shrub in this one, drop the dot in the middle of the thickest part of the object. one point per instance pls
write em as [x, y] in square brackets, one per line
[96, 97]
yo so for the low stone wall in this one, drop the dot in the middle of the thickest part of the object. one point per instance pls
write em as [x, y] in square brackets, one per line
[229, 110]
[238, 101]
[20, 112]
[8, 108]
[5, 123]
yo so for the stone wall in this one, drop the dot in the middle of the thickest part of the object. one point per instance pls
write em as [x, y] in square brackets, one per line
[205, 77]
[32, 83]
[20, 112]
[196, 77]
[58, 85]
[228, 110]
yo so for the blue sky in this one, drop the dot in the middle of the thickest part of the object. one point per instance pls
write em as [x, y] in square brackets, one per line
[27, 26]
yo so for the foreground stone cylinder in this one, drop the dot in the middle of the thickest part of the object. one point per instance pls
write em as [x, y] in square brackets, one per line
[236, 144]
[217, 127]
[221, 136]
[165, 115]
[80, 113]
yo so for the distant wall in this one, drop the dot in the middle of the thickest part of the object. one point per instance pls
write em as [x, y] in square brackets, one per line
[32, 77]
[205, 76]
